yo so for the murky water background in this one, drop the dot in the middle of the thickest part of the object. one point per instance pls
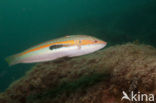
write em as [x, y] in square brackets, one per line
[29, 22]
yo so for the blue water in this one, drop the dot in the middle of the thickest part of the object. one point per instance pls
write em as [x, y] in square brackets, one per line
[24, 23]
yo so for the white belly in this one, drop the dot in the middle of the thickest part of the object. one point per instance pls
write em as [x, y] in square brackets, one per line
[86, 49]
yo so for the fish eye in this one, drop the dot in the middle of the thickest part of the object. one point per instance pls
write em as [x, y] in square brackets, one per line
[95, 41]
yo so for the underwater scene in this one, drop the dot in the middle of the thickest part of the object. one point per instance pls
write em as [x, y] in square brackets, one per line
[78, 51]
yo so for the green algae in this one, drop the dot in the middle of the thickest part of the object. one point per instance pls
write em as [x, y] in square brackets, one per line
[70, 87]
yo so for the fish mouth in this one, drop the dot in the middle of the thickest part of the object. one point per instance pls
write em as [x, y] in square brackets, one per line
[105, 43]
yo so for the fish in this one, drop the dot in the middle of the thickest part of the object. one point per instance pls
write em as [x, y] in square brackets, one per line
[67, 46]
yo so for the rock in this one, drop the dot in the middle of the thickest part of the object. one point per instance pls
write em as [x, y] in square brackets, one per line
[95, 78]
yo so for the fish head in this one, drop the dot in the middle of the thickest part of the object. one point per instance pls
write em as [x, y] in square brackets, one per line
[86, 40]
[93, 42]
[86, 46]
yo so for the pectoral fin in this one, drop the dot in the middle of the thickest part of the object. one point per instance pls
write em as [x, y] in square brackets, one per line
[77, 42]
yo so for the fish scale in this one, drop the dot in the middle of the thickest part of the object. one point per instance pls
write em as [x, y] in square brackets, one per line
[70, 46]
[66, 38]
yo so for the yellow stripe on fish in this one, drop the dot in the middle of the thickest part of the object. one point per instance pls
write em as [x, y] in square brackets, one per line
[70, 46]
[70, 42]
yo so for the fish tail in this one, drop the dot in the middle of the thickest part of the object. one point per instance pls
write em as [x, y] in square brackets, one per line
[12, 60]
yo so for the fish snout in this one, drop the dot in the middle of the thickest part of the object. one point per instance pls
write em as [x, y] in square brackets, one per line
[101, 42]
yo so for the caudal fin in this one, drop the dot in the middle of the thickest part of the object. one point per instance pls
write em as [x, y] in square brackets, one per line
[12, 60]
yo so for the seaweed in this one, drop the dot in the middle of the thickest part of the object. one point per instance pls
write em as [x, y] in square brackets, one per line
[69, 87]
